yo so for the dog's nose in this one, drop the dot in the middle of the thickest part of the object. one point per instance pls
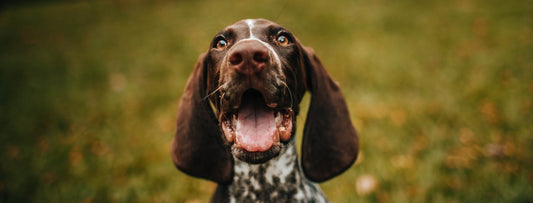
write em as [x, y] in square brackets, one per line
[249, 57]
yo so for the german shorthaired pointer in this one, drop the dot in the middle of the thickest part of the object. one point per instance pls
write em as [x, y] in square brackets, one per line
[236, 119]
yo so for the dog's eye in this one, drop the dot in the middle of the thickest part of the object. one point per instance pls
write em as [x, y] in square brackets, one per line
[221, 44]
[282, 40]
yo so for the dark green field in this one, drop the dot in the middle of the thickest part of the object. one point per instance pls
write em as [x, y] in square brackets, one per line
[441, 93]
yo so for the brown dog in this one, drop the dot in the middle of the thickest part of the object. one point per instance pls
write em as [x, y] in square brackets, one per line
[237, 116]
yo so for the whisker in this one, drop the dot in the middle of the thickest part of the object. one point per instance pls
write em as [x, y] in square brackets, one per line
[213, 92]
[290, 92]
[222, 100]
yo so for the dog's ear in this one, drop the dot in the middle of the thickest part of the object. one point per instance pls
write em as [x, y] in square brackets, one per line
[330, 143]
[198, 148]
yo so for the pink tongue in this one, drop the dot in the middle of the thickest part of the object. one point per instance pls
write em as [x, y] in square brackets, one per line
[256, 128]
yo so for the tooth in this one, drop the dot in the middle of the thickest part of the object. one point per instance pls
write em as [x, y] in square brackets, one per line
[282, 129]
[277, 118]
[288, 113]
[228, 132]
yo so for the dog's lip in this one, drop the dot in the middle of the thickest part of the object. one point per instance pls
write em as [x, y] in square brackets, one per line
[226, 111]
[272, 105]
[236, 105]
[256, 157]
[276, 97]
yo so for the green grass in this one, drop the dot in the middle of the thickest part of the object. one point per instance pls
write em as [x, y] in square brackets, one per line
[441, 94]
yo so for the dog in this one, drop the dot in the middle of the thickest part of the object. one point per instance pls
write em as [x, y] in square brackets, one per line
[237, 115]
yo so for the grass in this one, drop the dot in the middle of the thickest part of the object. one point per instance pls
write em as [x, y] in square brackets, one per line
[441, 94]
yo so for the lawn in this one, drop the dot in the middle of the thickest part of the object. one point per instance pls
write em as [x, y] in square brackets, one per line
[441, 93]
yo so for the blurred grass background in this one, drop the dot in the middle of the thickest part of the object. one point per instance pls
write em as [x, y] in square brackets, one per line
[441, 93]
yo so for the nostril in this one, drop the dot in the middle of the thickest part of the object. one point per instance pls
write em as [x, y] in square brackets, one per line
[235, 59]
[261, 56]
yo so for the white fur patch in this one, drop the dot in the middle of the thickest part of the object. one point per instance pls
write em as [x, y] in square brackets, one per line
[251, 24]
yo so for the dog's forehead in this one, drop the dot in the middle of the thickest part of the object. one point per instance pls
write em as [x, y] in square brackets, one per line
[251, 28]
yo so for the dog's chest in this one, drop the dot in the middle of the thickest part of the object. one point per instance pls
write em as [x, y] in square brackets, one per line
[278, 180]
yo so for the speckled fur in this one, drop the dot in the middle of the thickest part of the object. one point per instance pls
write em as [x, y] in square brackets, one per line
[278, 180]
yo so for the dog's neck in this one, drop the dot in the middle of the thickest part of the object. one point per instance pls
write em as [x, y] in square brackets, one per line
[277, 180]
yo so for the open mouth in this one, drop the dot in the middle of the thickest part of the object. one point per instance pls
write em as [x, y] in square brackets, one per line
[255, 129]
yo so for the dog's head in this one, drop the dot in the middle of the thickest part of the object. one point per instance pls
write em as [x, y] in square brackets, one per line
[256, 87]
[242, 100]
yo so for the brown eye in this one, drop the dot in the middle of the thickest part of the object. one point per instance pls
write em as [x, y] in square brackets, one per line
[221, 44]
[282, 40]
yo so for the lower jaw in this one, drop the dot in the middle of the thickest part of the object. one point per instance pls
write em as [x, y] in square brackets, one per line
[256, 157]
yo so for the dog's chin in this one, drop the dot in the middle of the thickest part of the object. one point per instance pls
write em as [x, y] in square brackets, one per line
[258, 157]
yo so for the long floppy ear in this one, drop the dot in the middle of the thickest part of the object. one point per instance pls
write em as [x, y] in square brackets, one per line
[197, 148]
[330, 143]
